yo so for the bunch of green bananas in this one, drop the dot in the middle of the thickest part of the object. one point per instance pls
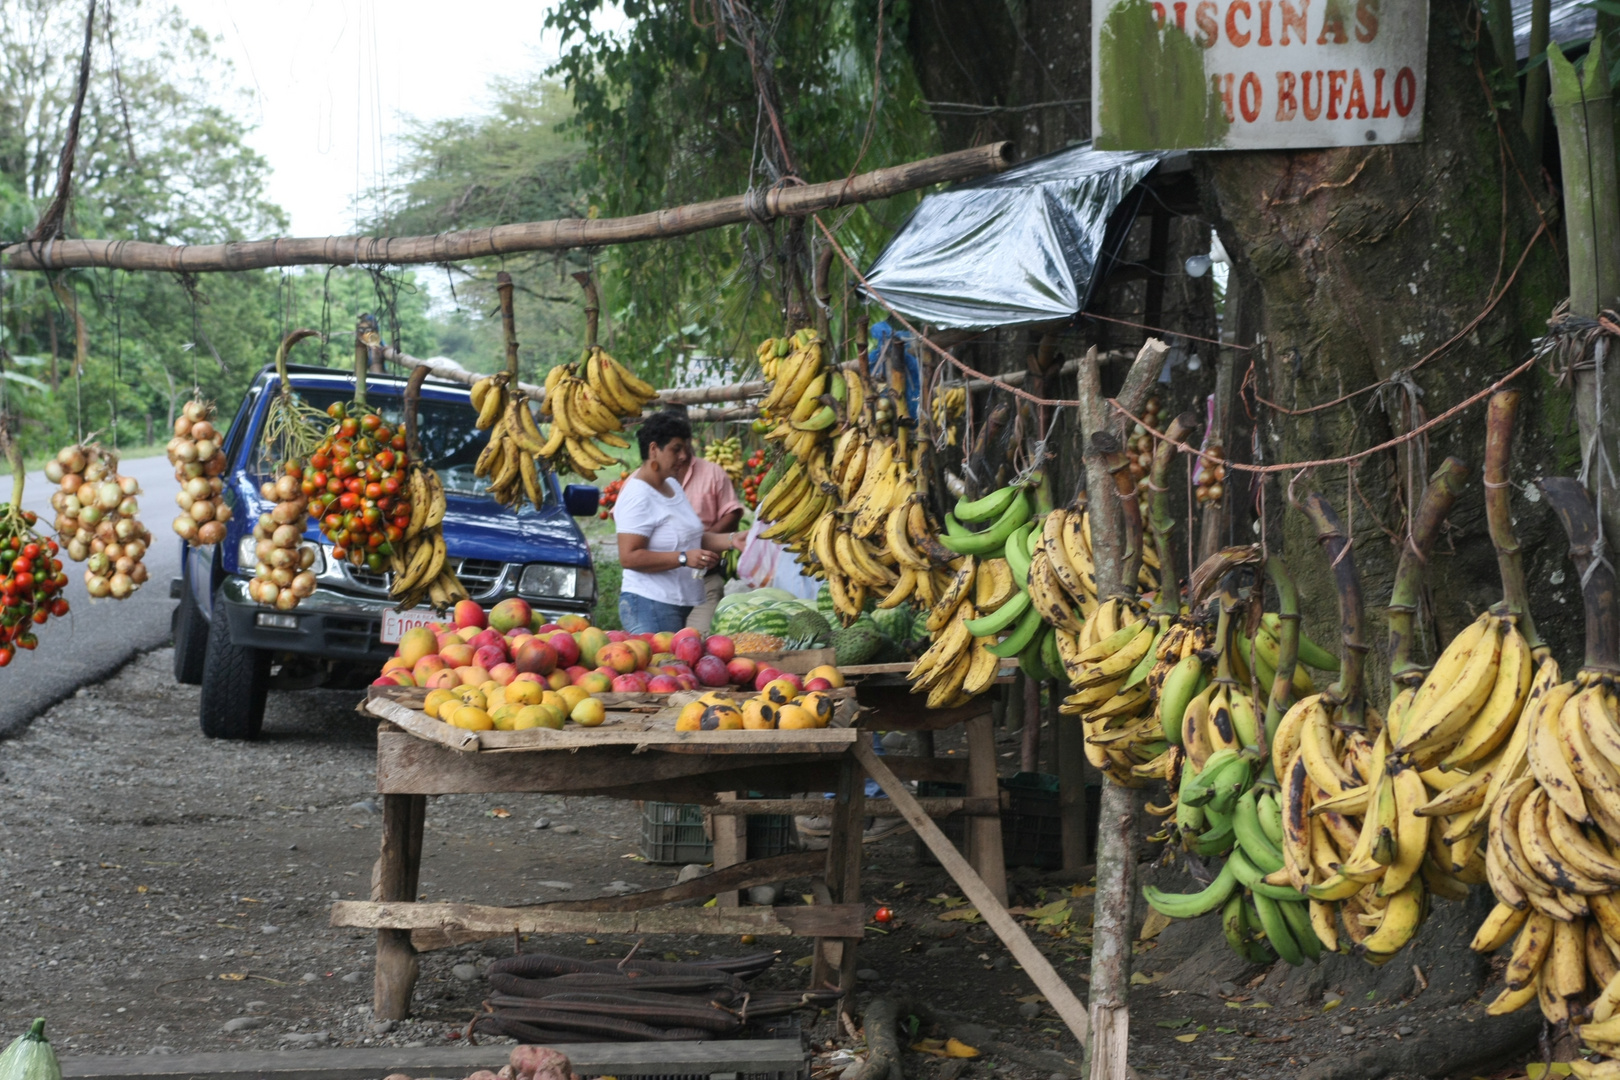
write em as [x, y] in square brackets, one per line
[1261, 921]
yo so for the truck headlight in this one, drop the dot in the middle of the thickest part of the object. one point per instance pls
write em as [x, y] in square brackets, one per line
[549, 579]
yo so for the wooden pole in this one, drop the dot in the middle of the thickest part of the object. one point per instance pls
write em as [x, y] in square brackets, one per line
[1116, 819]
[755, 206]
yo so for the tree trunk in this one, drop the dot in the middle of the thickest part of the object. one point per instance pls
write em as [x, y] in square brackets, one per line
[1366, 261]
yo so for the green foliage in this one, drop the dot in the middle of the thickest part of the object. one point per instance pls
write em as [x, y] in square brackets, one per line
[669, 114]
[512, 165]
[161, 158]
[609, 577]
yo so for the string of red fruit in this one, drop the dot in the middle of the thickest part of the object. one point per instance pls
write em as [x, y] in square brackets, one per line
[31, 576]
[356, 485]
[610, 494]
[757, 469]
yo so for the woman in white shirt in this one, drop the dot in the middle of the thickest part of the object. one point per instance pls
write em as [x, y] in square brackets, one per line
[662, 545]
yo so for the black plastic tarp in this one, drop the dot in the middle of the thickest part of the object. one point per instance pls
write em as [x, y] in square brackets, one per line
[1021, 246]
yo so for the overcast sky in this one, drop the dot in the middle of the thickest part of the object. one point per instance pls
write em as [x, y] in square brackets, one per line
[331, 79]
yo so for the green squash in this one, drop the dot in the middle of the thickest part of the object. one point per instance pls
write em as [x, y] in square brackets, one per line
[30, 1057]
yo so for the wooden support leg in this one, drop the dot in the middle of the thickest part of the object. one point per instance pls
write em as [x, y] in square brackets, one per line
[836, 966]
[730, 846]
[398, 869]
[984, 833]
[1071, 769]
[924, 743]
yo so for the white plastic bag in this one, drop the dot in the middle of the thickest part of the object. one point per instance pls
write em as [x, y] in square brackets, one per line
[757, 563]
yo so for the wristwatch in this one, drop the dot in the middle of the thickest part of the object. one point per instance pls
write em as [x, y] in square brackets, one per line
[682, 558]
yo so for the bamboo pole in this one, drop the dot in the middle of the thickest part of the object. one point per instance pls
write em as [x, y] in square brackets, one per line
[757, 206]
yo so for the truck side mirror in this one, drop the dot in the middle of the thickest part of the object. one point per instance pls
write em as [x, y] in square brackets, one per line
[582, 499]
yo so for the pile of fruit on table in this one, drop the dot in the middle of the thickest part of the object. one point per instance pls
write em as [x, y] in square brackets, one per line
[497, 661]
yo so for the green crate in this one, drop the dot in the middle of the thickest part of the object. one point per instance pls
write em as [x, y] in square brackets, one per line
[673, 834]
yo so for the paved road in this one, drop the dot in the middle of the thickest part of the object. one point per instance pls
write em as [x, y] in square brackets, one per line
[97, 637]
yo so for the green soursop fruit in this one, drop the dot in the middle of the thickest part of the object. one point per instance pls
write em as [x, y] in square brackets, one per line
[857, 643]
[808, 630]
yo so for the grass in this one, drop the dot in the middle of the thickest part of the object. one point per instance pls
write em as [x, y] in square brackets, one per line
[609, 575]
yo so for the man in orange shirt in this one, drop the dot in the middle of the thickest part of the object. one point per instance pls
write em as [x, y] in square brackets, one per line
[713, 496]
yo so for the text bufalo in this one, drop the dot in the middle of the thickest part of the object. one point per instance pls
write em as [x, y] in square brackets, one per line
[1347, 93]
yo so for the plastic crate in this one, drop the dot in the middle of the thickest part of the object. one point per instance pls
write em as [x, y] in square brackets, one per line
[1031, 823]
[769, 834]
[674, 833]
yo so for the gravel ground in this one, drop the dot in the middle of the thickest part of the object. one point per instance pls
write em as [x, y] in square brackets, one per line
[162, 893]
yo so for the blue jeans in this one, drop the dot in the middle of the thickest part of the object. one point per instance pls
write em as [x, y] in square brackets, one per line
[642, 615]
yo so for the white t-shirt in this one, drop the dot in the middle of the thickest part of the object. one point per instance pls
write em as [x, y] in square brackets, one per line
[670, 524]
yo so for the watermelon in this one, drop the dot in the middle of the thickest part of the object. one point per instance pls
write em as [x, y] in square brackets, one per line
[765, 619]
[895, 622]
[824, 602]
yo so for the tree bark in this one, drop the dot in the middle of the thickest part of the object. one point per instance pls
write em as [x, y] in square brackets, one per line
[1366, 261]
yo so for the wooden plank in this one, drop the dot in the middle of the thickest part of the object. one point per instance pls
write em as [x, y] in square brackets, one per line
[794, 661]
[406, 764]
[934, 806]
[730, 836]
[395, 880]
[835, 965]
[839, 920]
[794, 864]
[559, 235]
[1035, 965]
[984, 833]
[888, 707]
[370, 1063]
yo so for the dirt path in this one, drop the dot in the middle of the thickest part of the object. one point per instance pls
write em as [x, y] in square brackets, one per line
[163, 893]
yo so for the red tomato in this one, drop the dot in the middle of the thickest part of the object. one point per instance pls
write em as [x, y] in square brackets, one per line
[883, 915]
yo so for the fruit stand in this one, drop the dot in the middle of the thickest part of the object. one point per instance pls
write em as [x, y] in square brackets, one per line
[637, 753]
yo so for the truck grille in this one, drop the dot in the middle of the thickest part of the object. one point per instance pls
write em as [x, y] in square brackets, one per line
[351, 633]
[479, 576]
[369, 579]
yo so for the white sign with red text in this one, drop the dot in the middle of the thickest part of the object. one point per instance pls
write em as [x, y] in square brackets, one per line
[1256, 74]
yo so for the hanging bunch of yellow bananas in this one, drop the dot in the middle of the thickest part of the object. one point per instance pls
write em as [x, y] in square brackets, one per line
[420, 571]
[948, 406]
[845, 498]
[585, 411]
[726, 453]
[1548, 801]
[508, 461]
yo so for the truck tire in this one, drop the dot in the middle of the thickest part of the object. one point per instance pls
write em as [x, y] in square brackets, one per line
[235, 683]
[190, 631]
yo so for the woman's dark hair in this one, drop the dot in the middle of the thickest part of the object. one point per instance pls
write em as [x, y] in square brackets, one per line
[661, 427]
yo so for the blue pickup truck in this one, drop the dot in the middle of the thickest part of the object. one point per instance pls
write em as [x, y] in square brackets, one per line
[238, 650]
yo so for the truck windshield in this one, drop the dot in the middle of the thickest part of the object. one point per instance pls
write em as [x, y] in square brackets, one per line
[449, 440]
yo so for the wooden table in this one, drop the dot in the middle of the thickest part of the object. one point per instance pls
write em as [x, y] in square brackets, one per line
[634, 755]
[639, 755]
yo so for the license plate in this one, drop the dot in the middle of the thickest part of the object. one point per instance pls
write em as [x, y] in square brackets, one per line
[395, 623]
